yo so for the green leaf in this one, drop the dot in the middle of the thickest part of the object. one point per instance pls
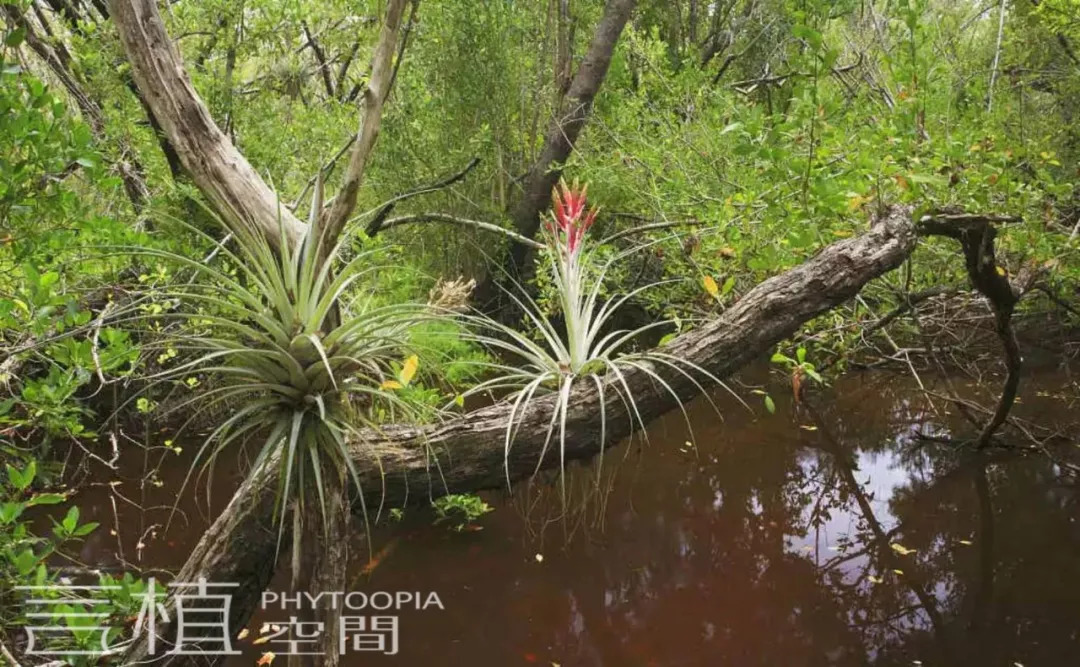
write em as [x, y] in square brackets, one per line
[22, 480]
[25, 562]
[9, 512]
[71, 521]
[770, 405]
[15, 37]
[86, 529]
[46, 499]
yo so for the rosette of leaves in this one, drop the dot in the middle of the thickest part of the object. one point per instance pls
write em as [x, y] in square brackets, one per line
[303, 365]
[584, 349]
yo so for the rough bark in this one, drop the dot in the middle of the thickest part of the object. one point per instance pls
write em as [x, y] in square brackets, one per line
[560, 139]
[233, 187]
[395, 461]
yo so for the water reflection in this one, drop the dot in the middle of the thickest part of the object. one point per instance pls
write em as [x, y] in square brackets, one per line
[828, 533]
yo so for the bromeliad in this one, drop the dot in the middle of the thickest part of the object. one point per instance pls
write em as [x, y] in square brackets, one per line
[552, 361]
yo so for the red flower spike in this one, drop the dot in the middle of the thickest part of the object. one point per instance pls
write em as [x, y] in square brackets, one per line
[567, 210]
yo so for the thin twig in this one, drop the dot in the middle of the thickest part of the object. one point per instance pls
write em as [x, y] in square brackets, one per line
[442, 217]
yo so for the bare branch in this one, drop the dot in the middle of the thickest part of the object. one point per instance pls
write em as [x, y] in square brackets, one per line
[380, 216]
[371, 118]
[320, 56]
[442, 217]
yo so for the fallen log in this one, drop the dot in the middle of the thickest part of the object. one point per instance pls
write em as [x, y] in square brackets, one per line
[240, 546]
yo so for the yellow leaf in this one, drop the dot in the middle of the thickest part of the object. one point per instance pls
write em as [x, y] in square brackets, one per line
[390, 384]
[856, 202]
[1000, 271]
[243, 633]
[266, 659]
[966, 543]
[808, 427]
[901, 549]
[898, 571]
[710, 286]
[408, 371]
[875, 580]
[261, 640]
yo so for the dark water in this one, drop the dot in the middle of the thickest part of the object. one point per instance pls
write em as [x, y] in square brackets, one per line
[828, 533]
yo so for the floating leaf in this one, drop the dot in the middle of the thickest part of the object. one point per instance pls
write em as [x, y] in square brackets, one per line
[966, 543]
[901, 549]
[266, 659]
[539, 558]
[770, 405]
[243, 633]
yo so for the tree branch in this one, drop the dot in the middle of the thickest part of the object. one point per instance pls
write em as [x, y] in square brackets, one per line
[336, 216]
[320, 57]
[452, 219]
[380, 216]
[218, 169]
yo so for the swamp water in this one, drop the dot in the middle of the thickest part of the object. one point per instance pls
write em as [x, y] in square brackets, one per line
[827, 533]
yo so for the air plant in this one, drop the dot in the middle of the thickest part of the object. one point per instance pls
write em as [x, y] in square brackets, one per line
[554, 362]
[303, 367]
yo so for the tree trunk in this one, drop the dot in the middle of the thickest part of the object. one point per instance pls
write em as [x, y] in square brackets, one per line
[559, 142]
[239, 547]
[234, 188]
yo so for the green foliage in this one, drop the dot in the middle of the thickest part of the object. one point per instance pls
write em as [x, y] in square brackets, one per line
[462, 510]
[24, 556]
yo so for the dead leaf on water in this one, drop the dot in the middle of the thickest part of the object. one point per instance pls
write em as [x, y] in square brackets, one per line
[901, 549]
[266, 659]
